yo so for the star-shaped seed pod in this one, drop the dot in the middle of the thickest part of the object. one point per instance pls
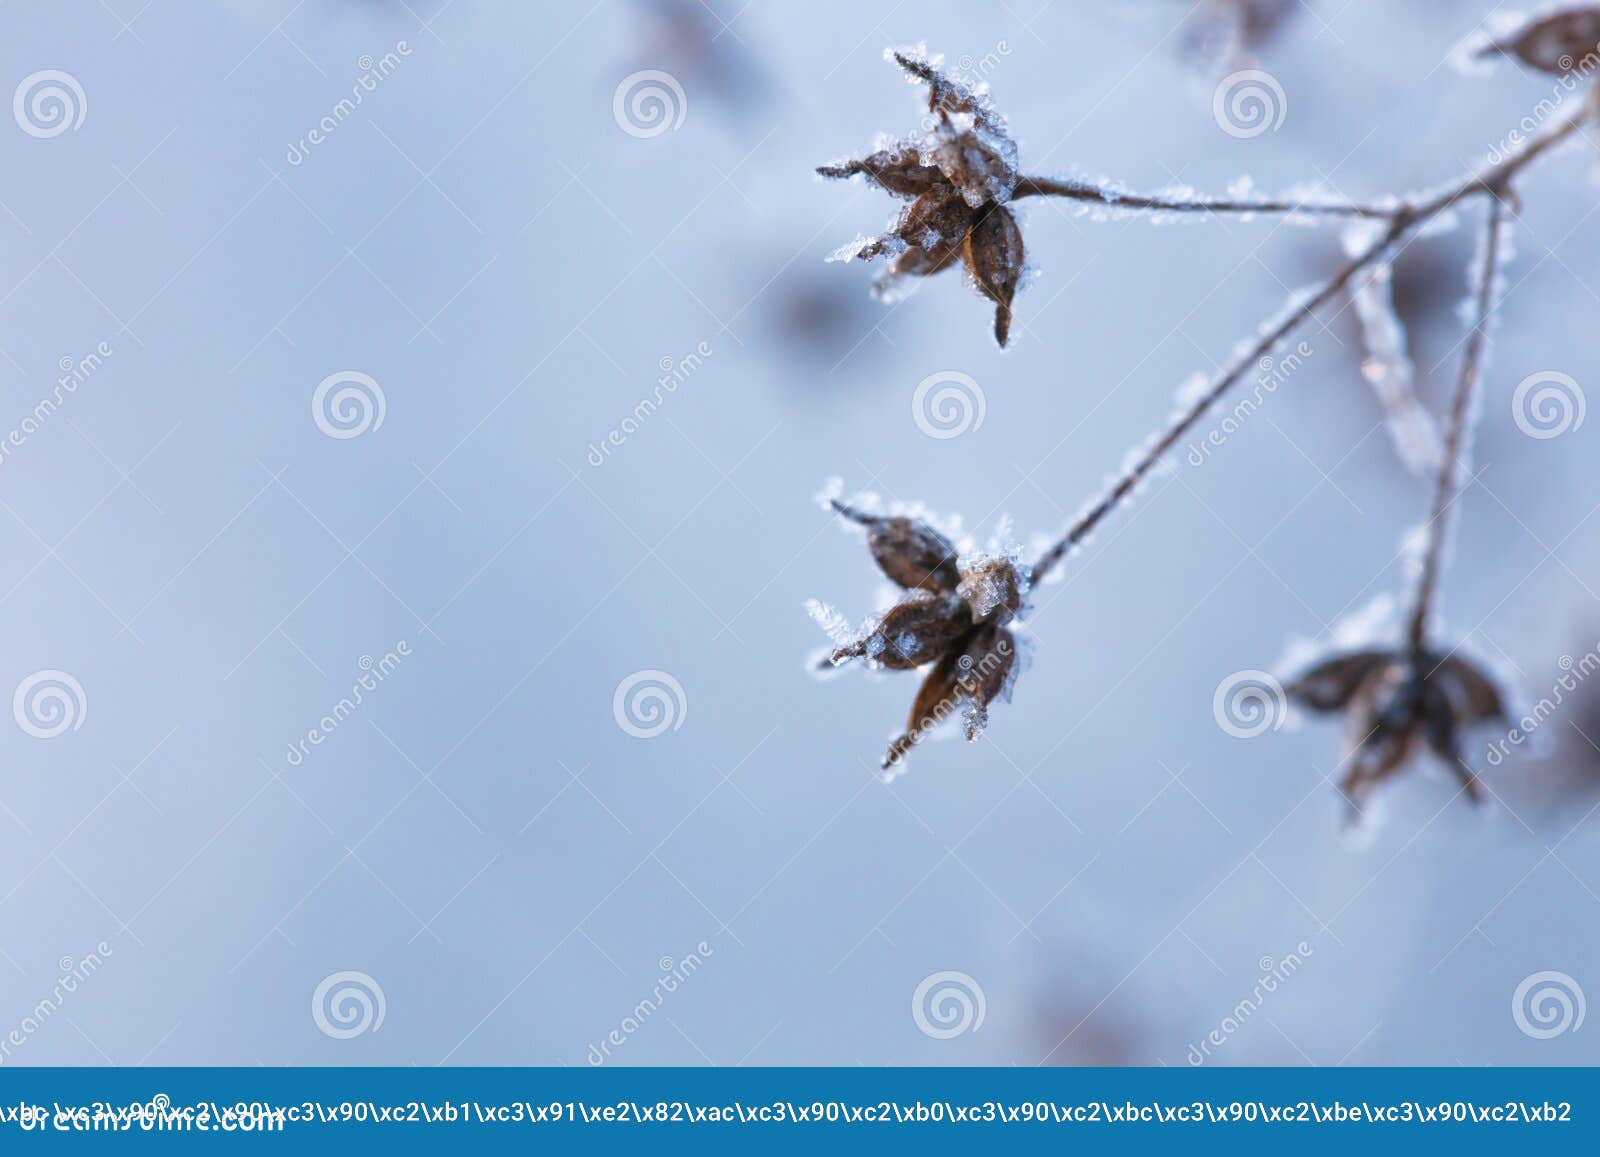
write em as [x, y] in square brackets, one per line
[959, 176]
[953, 619]
[1396, 703]
[1563, 42]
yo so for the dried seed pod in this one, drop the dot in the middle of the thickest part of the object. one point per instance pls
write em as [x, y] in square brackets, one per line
[948, 96]
[937, 222]
[1382, 730]
[912, 633]
[899, 171]
[985, 669]
[993, 255]
[910, 552]
[913, 554]
[937, 699]
[1441, 726]
[952, 623]
[1329, 685]
[1395, 702]
[963, 163]
[1472, 695]
[1439, 723]
[980, 171]
[1559, 43]
[909, 266]
[923, 262]
[994, 588]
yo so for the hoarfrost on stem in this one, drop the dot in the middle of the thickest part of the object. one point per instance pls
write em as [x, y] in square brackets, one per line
[1387, 366]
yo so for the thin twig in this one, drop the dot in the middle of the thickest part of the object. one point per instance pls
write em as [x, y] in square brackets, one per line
[1493, 180]
[1450, 468]
[1124, 485]
[1117, 199]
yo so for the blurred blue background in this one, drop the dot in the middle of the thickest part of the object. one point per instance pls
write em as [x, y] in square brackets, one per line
[480, 839]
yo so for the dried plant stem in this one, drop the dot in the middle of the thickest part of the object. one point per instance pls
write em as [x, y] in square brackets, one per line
[1461, 410]
[1116, 199]
[1219, 385]
[1493, 180]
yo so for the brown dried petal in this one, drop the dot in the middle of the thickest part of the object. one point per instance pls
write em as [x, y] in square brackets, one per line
[937, 699]
[994, 588]
[913, 554]
[911, 264]
[917, 262]
[1440, 725]
[948, 95]
[1329, 685]
[1558, 44]
[937, 221]
[1376, 750]
[993, 255]
[974, 167]
[912, 633]
[900, 171]
[984, 669]
[1473, 696]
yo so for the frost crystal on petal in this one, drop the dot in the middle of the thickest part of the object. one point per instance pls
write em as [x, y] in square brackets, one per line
[832, 490]
[838, 628]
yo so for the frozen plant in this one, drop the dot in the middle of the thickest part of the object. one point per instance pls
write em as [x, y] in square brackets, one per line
[1413, 694]
[960, 176]
[953, 618]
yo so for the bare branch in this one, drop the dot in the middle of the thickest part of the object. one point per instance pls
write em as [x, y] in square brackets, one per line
[1493, 181]
[1119, 199]
[1453, 463]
